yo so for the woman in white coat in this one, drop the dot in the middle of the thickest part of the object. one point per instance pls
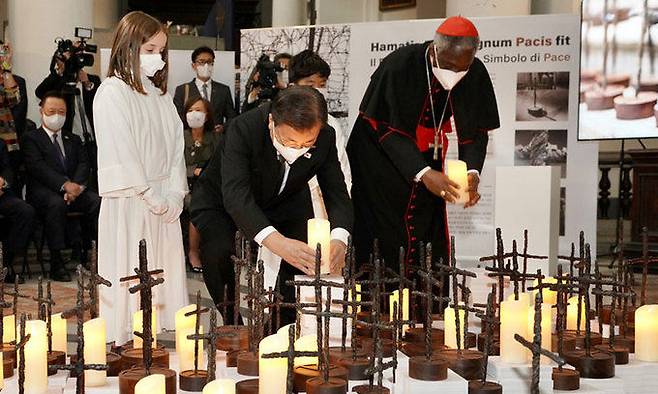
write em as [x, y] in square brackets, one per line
[141, 175]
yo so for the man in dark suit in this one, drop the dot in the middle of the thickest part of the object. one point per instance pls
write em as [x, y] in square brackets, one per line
[203, 86]
[17, 212]
[58, 171]
[257, 182]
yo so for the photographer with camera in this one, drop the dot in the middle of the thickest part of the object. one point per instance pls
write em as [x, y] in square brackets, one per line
[266, 80]
[67, 75]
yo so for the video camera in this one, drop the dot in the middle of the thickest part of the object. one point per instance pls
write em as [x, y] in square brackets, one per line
[267, 77]
[79, 54]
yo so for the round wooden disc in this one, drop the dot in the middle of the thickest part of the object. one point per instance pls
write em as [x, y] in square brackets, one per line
[606, 311]
[418, 349]
[537, 112]
[638, 107]
[367, 346]
[332, 386]
[9, 352]
[232, 358]
[192, 381]
[303, 373]
[433, 370]
[336, 354]
[247, 387]
[129, 378]
[248, 364]
[566, 379]
[367, 389]
[598, 365]
[237, 342]
[55, 358]
[621, 353]
[588, 75]
[623, 80]
[132, 358]
[595, 338]
[466, 363]
[568, 343]
[356, 369]
[417, 334]
[365, 331]
[129, 345]
[649, 85]
[598, 99]
[477, 387]
[8, 367]
[627, 341]
[114, 364]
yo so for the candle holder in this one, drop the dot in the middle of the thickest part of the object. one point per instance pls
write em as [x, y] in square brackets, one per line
[489, 323]
[194, 379]
[247, 362]
[129, 377]
[620, 352]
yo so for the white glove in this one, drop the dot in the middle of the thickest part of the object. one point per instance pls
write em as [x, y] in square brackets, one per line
[156, 204]
[175, 205]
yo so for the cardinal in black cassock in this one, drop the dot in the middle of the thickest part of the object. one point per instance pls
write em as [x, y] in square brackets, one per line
[397, 148]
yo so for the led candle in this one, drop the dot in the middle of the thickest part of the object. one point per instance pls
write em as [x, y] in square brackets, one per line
[572, 314]
[548, 296]
[513, 320]
[395, 297]
[319, 232]
[646, 333]
[185, 347]
[9, 329]
[450, 330]
[546, 328]
[152, 384]
[36, 357]
[137, 326]
[307, 343]
[94, 351]
[456, 171]
[272, 372]
[58, 325]
[220, 386]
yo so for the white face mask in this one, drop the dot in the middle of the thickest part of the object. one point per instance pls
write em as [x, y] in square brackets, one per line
[54, 122]
[448, 78]
[204, 72]
[282, 77]
[196, 119]
[151, 63]
[288, 153]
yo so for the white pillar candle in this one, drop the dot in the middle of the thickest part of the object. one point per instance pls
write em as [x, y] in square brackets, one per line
[220, 386]
[307, 343]
[95, 351]
[457, 172]
[546, 328]
[137, 326]
[513, 320]
[319, 232]
[186, 352]
[9, 329]
[2, 372]
[152, 384]
[36, 357]
[572, 314]
[548, 296]
[395, 297]
[450, 330]
[59, 330]
[646, 333]
[272, 372]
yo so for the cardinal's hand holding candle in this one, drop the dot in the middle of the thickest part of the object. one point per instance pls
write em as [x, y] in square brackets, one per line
[440, 185]
[473, 184]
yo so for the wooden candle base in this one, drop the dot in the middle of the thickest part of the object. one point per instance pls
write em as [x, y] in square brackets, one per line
[55, 358]
[417, 335]
[9, 352]
[589, 75]
[649, 85]
[129, 378]
[356, 368]
[248, 364]
[639, 107]
[129, 345]
[8, 367]
[606, 311]
[332, 386]
[598, 365]
[247, 387]
[365, 331]
[623, 80]
[434, 369]
[417, 349]
[133, 358]
[599, 100]
[495, 344]
[367, 346]
[306, 372]
[192, 381]
[620, 353]
[113, 361]
[568, 343]
[240, 341]
[566, 379]
[367, 389]
[537, 112]
[579, 338]
[232, 358]
[336, 354]
[627, 341]
[466, 363]
[478, 387]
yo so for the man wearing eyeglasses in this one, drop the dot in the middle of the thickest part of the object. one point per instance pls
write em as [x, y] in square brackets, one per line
[218, 94]
[257, 182]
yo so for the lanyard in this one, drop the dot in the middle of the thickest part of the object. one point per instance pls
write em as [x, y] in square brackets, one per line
[437, 128]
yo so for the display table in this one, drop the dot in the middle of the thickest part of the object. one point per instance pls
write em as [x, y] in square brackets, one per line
[56, 383]
[604, 124]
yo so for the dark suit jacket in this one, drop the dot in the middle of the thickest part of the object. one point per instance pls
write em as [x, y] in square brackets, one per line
[244, 176]
[5, 165]
[19, 111]
[57, 83]
[45, 172]
[220, 99]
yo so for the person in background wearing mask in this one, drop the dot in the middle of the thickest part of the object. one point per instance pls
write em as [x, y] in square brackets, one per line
[417, 95]
[57, 168]
[200, 144]
[257, 182]
[218, 94]
[141, 174]
[307, 68]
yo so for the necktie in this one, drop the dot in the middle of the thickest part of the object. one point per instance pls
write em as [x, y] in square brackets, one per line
[205, 91]
[58, 149]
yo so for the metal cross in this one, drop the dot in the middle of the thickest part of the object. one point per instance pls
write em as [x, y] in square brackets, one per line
[644, 261]
[489, 320]
[210, 337]
[20, 348]
[45, 309]
[197, 327]
[15, 296]
[94, 280]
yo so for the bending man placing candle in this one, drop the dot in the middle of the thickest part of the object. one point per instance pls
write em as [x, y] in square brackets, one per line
[397, 149]
[257, 182]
